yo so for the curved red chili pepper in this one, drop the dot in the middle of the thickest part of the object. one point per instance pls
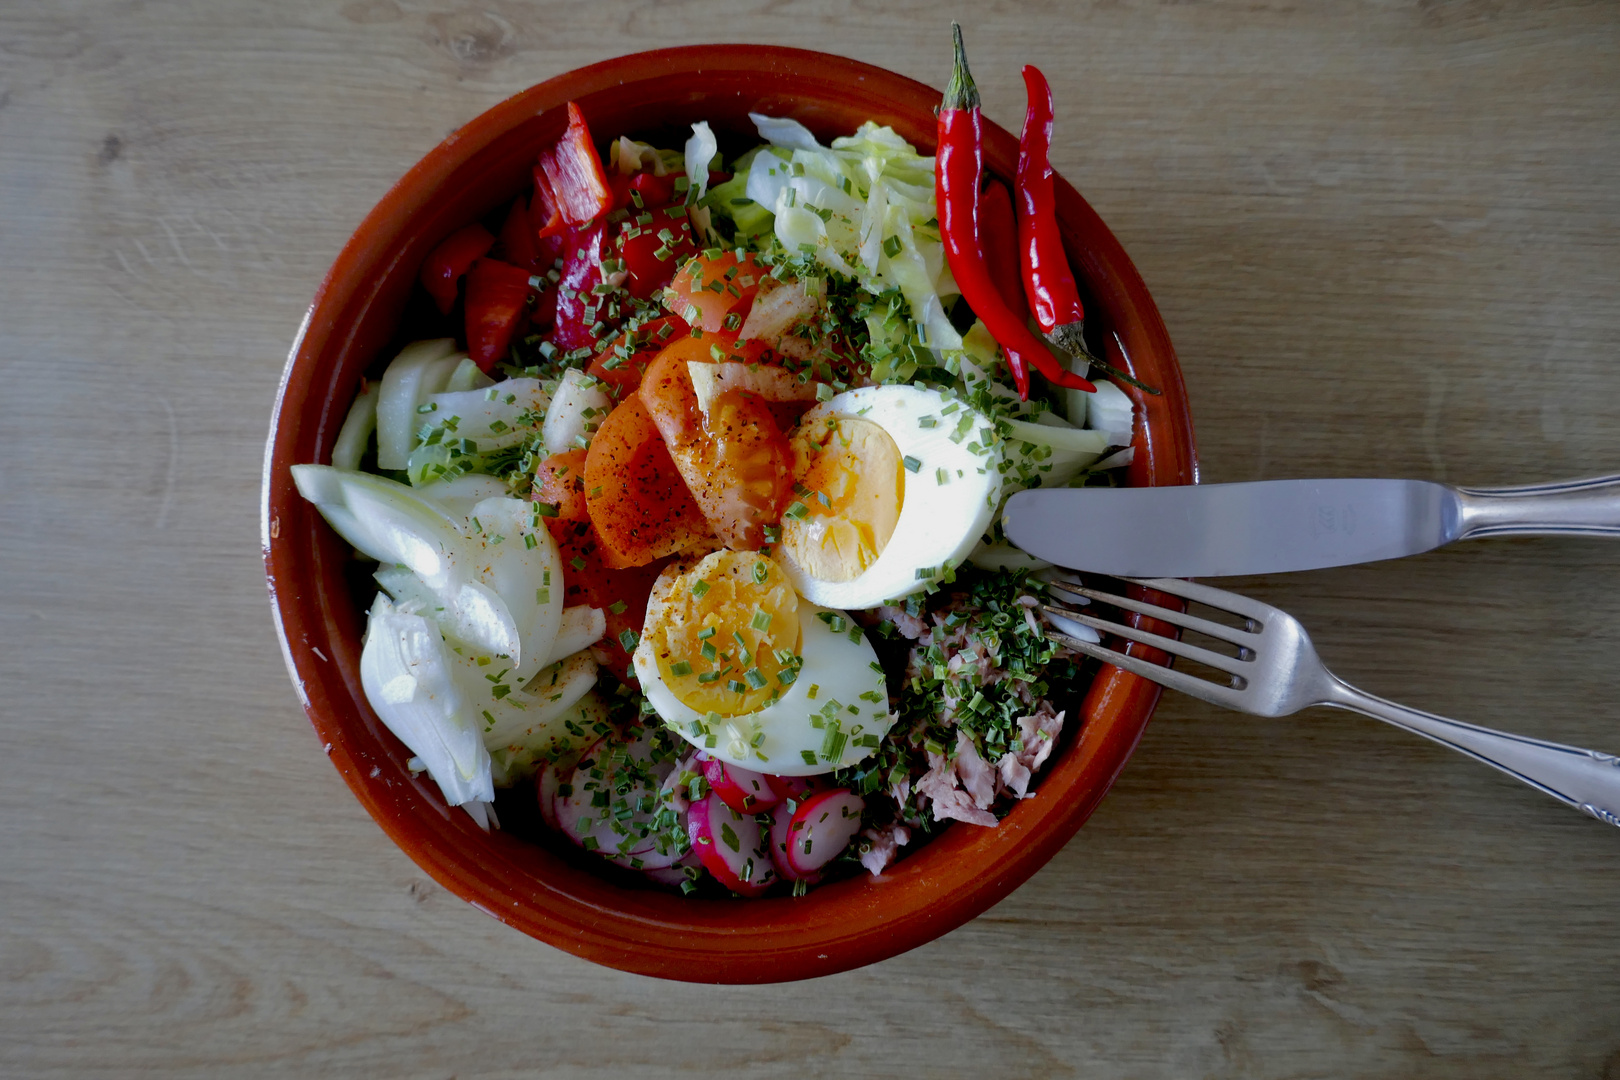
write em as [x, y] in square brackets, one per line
[1048, 281]
[998, 228]
[957, 172]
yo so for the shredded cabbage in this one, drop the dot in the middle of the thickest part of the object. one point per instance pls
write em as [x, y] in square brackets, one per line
[700, 150]
[864, 208]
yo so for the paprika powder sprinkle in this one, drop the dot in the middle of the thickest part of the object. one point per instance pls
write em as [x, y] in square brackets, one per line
[958, 168]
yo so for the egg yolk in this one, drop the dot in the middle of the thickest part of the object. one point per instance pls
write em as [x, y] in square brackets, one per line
[849, 484]
[728, 634]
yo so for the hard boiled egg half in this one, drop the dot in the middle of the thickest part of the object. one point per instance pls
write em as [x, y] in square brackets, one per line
[891, 485]
[737, 665]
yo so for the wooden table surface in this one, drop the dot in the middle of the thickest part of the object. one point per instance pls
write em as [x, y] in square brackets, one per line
[1385, 238]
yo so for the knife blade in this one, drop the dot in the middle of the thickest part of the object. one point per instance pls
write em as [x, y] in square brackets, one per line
[1275, 526]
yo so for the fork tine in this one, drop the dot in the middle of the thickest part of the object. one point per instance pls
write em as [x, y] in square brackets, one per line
[1209, 596]
[1215, 630]
[1220, 661]
[1190, 685]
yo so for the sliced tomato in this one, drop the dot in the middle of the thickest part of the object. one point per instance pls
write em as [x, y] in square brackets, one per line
[735, 460]
[559, 482]
[497, 301]
[706, 290]
[621, 592]
[442, 270]
[635, 496]
[622, 363]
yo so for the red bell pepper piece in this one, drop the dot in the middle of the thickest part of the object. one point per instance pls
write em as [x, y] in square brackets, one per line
[581, 272]
[520, 245]
[497, 301]
[570, 186]
[445, 264]
[650, 260]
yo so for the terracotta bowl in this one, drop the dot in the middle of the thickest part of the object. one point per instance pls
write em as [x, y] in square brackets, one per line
[545, 889]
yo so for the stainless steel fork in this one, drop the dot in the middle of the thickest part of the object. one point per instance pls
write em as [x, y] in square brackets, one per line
[1276, 672]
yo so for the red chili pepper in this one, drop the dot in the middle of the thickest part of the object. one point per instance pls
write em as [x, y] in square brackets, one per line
[569, 184]
[497, 300]
[999, 229]
[957, 172]
[1048, 280]
[442, 269]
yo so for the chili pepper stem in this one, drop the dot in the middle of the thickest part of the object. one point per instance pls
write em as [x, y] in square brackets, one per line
[1070, 337]
[960, 92]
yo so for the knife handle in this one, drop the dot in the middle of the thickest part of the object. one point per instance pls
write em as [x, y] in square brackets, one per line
[1589, 507]
[1587, 780]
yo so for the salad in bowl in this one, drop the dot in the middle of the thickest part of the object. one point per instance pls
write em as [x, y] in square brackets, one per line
[678, 493]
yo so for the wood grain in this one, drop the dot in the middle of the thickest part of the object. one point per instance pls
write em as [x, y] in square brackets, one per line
[1386, 240]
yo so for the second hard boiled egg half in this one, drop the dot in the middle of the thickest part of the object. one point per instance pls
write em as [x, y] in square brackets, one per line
[735, 664]
[892, 484]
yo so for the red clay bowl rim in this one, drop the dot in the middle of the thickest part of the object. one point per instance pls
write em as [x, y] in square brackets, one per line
[537, 890]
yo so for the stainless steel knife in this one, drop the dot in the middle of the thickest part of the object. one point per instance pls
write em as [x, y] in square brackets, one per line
[1271, 526]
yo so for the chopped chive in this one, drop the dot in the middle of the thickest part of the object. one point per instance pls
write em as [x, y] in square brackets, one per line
[762, 621]
[680, 667]
[700, 588]
[911, 463]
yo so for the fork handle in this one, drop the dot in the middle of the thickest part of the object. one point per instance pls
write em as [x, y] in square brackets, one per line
[1589, 507]
[1585, 779]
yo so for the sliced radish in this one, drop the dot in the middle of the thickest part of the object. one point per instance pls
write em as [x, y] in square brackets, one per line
[547, 781]
[631, 778]
[676, 874]
[822, 827]
[781, 823]
[744, 790]
[730, 846]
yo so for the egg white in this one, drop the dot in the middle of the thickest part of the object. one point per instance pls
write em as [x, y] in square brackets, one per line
[837, 670]
[948, 500]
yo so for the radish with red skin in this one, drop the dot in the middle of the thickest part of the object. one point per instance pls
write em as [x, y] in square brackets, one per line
[547, 781]
[632, 841]
[676, 874]
[822, 827]
[730, 846]
[781, 826]
[743, 790]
